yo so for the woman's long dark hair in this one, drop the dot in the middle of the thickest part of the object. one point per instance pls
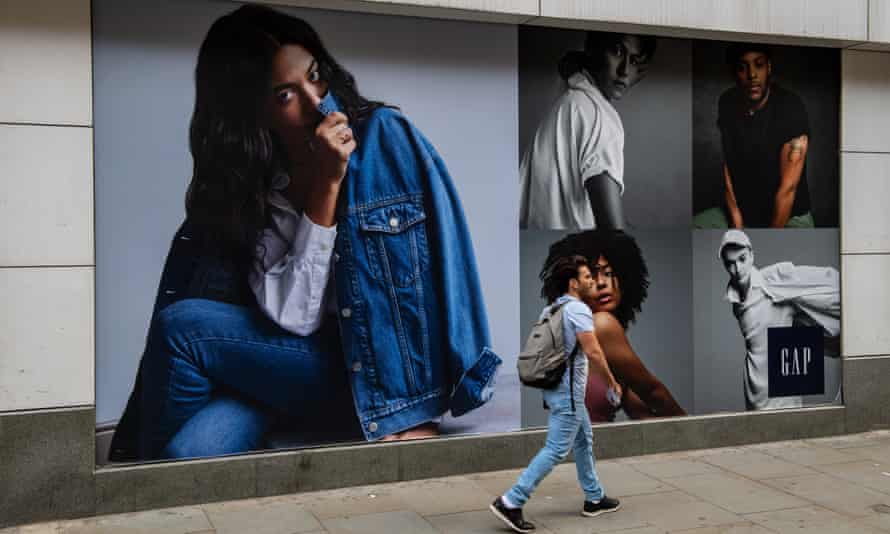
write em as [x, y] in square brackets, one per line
[236, 155]
[622, 253]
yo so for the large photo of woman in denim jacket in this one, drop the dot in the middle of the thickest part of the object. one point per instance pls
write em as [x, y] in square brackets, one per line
[324, 279]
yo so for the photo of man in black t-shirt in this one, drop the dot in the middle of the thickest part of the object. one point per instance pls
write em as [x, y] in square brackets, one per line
[765, 133]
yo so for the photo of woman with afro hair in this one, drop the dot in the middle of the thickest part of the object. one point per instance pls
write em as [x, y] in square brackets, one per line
[622, 282]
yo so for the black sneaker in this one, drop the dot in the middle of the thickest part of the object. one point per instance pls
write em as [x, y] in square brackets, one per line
[606, 504]
[512, 517]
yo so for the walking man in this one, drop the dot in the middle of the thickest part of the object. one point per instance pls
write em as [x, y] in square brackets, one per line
[569, 282]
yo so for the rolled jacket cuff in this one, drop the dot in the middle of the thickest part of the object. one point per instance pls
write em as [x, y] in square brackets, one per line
[476, 386]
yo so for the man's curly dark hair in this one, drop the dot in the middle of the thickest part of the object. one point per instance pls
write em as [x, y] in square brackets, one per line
[622, 253]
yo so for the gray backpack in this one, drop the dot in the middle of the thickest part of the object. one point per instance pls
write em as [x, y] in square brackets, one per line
[542, 362]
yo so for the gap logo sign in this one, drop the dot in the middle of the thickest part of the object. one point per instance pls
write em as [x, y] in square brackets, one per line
[796, 365]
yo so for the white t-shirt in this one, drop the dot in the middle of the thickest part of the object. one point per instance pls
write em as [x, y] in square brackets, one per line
[582, 136]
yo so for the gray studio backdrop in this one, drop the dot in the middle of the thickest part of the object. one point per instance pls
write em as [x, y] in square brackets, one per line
[719, 345]
[657, 117]
[662, 334]
[812, 73]
[460, 92]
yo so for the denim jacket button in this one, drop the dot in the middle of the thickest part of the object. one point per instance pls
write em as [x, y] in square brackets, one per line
[346, 313]
[394, 222]
[336, 257]
[357, 367]
[372, 427]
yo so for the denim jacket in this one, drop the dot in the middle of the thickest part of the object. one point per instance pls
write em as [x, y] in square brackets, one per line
[412, 320]
[412, 316]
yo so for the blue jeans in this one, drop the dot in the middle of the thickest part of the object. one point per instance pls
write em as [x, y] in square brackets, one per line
[565, 431]
[216, 376]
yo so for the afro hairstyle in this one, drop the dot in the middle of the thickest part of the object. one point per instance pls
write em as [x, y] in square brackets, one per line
[622, 253]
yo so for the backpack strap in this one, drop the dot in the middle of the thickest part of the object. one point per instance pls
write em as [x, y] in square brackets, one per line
[571, 364]
[555, 308]
[571, 360]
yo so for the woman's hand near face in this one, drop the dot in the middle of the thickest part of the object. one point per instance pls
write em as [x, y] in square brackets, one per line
[331, 148]
[333, 143]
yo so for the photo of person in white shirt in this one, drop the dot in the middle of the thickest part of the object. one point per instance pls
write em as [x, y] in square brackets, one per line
[572, 174]
[778, 295]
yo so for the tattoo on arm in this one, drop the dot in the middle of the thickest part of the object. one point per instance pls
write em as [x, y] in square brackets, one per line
[797, 147]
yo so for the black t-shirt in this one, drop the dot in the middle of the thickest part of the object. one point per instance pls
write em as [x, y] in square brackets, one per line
[752, 145]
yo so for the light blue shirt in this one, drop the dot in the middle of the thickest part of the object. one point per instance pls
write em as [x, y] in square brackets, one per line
[576, 317]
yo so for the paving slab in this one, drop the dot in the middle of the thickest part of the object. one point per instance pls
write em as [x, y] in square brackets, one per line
[658, 457]
[880, 520]
[181, 520]
[623, 480]
[641, 530]
[671, 468]
[868, 473]
[809, 519]
[442, 496]
[735, 528]
[275, 515]
[835, 494]
[798, 452]
[736, 494]
[878, 453]
[478, 522]
[754, 464]
[395, 522]
[676, 510]
[880, 437]
[348, 502]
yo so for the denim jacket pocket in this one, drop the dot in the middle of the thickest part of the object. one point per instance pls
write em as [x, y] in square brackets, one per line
[395, 237]
[394, 234]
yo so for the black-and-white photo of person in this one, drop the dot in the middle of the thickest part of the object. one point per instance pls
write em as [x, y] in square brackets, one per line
[788, 287]
[572, 174]
[605, 130]
[761, 177]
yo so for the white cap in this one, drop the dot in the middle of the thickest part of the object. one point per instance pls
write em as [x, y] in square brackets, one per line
[733, 237]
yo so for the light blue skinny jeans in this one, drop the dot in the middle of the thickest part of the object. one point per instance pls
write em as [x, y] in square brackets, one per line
[565, 431]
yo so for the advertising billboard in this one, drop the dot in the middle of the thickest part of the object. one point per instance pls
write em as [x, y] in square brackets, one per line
[318, 227]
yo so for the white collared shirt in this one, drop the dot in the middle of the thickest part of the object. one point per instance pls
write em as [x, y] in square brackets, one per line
[292, 279]
[782, 295]
[582, 136]
[756, 314]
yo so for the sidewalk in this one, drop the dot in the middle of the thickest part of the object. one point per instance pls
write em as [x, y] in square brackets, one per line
[828, 485]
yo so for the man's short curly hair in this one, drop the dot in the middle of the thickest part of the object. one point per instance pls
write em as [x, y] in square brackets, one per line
[622, 253]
